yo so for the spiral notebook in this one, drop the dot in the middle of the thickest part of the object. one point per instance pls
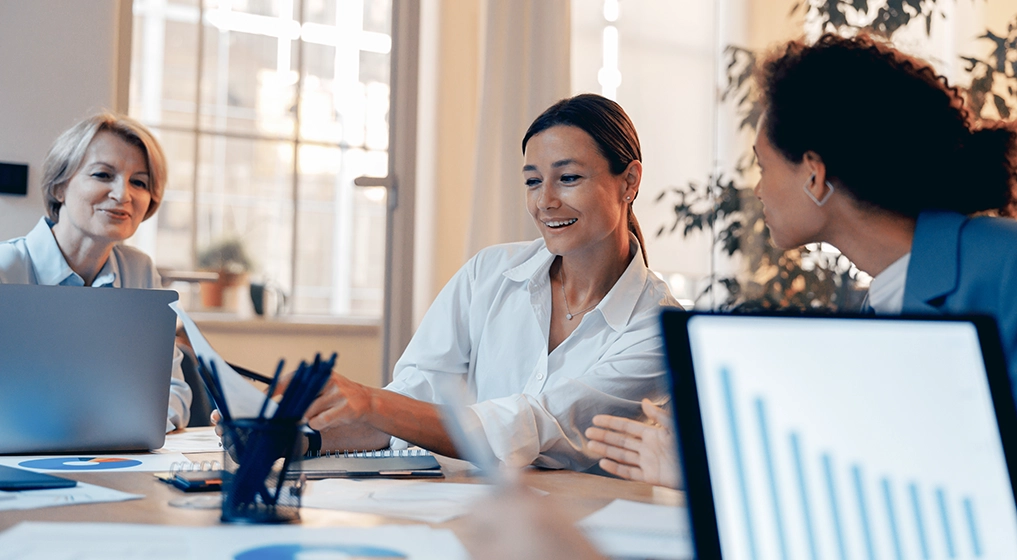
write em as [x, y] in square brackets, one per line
[384, 463]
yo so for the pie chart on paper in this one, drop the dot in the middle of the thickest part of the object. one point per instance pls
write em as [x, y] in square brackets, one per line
[80, 463]
[319, 552]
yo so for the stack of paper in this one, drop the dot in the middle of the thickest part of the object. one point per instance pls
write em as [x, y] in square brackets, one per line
[192, 440]
[636, 530]
[431, 502]
[80, 494]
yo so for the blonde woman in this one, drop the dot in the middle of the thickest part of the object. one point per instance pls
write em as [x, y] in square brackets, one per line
[101, 179]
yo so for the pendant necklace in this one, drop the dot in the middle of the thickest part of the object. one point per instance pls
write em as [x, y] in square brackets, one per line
[568, 313]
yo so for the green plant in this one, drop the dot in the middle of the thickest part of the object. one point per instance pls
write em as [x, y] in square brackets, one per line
[806, 278]
[994, 78]
[225, 255]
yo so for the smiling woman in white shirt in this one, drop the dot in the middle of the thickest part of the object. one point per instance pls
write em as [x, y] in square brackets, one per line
[101, 179]
[540, 336]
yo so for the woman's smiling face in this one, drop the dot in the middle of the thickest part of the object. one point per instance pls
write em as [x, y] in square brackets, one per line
[574, 199]
[108, 197]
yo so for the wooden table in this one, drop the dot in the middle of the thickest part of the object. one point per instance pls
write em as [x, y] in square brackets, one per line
[576, 494]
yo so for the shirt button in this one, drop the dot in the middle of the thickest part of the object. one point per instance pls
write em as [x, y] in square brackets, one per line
[540, 376]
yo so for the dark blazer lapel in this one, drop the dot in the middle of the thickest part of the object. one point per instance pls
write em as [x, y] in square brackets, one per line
[935, 258]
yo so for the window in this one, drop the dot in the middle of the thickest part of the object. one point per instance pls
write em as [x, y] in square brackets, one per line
[658, 60]
[268, 110]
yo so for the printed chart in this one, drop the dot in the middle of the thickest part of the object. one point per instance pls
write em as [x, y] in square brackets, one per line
[137, 462]
[79, 463]
[298, 551]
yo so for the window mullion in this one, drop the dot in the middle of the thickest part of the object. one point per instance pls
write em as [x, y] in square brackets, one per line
[298, 95]
[195, 132]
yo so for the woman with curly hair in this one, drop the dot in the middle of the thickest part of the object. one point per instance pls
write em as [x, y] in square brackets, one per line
[868, 149]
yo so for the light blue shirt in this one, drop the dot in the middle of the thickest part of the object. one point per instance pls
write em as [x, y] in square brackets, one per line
[36, 259]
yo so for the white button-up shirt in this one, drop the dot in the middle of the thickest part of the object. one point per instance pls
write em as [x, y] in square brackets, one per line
[36, 259]
[488, 331]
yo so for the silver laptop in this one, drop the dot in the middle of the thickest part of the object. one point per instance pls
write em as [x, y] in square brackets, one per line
[845, 437]
[84, 369]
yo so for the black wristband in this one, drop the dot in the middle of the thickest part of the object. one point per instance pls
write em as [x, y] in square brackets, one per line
[313, 442]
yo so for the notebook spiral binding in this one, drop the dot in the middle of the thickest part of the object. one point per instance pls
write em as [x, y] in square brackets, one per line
[380, 453]
[195, 466]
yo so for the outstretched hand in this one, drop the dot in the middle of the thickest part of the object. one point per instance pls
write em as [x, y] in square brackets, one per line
[644, 452]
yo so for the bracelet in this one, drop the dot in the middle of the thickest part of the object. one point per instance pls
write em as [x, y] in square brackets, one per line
[313, 441]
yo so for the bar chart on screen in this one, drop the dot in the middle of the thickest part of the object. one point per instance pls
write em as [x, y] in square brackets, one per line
[869, 455]
[882, 504]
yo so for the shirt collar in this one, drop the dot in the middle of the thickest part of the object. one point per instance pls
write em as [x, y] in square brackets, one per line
[51, 268]
[619, 303]
[109, 276]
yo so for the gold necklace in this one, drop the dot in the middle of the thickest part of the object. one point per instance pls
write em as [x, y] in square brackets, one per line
[568, 313]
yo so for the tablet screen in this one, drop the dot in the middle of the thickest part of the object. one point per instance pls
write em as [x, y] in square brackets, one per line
[851, 438]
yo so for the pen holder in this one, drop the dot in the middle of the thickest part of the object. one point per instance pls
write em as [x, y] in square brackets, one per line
[258, 455]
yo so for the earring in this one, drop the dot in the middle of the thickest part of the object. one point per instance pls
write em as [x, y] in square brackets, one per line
[628, 198]
[818, 201]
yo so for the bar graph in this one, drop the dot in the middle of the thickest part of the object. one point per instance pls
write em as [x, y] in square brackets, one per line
[888, 512]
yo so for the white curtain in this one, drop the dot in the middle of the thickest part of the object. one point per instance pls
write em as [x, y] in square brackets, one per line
[525, 67]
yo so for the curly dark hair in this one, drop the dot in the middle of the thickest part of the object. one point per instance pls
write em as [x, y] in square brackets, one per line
[889, 129]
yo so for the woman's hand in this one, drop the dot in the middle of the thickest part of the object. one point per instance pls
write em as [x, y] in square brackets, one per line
[215, 418]
[341, 402]
[636, 450]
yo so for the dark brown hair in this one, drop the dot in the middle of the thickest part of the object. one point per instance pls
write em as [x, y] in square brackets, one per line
[611, 129]
[889, 129]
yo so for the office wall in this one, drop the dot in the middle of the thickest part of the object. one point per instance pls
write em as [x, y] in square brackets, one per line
[58, 63]
[455, 136]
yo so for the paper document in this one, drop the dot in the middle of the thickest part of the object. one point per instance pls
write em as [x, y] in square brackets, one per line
[80, 494]
[636, 530]
[192, 440]
[242, 398]
[431, 502]
[56, 464]
[73, 541]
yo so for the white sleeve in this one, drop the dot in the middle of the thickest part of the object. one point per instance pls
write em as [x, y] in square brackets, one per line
[179, 411]
[440, 350]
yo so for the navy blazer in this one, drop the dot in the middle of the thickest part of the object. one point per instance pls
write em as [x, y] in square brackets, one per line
[966, 265]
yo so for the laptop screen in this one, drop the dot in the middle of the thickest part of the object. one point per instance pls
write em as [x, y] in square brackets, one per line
[850, 438]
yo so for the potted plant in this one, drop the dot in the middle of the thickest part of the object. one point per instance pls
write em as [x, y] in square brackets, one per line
[228, 258]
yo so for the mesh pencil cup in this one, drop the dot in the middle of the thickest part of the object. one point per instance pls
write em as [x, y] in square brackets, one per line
[258, 454]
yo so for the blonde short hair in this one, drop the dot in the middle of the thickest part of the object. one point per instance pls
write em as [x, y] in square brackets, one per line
[66, 155]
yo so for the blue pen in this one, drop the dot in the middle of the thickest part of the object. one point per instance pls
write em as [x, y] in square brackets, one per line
[271, 388]
[218, 386]
[213, 388]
